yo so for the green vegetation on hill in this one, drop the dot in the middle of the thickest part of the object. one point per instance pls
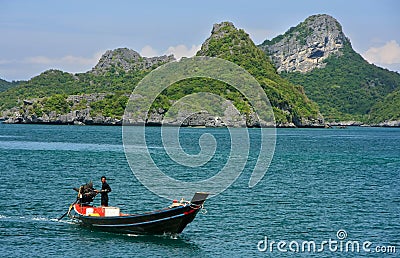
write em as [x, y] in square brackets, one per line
[386, 110]
[197, 85]
[289, 101]
[54, 82]
[348, 87]
[5, 85]
[113, 105]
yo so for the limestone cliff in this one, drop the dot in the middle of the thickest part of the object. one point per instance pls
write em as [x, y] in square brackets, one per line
[305, 47]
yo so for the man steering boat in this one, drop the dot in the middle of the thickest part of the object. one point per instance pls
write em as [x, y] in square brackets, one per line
[105, 189]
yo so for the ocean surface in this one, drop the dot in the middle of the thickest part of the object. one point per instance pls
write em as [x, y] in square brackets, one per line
[324, 186]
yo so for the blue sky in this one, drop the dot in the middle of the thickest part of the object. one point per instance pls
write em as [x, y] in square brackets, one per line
[71, 35]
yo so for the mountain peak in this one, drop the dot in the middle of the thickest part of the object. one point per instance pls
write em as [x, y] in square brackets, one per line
[222, 36]
[235, 45]
[304, 47]
[221, 28]
[230, 43]
[127, 59]
[323, 20]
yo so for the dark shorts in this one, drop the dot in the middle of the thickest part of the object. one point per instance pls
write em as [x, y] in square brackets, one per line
[104, 200]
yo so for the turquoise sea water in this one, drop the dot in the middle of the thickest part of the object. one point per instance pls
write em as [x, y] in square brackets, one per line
[320, 181]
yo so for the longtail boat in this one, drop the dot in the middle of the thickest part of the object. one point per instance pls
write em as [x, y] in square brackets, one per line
[170, 220]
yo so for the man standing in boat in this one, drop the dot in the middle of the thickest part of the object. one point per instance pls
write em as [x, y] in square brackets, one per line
[105, 189]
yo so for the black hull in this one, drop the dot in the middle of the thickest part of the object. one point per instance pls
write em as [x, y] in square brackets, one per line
[170, 221]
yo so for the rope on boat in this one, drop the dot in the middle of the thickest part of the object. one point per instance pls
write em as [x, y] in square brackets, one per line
[199, 206]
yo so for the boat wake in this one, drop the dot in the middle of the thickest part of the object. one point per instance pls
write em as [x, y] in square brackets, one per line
[34, 218]
[132, 235]
[40, 219]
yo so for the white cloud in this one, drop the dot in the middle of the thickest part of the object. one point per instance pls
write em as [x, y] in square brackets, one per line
[387, 54]
[26, 68]
[148, 51]
[6, 61]
[61, 61]
[180, 51]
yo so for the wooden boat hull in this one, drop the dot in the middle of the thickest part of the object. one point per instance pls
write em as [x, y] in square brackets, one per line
[166, 221]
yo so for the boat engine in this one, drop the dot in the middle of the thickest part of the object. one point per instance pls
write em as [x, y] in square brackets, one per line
[86, 193]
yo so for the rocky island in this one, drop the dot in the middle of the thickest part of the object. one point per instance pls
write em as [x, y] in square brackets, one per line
[311, 75]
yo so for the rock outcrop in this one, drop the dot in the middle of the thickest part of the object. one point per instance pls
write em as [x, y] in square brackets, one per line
[392, 123]
[304, 47]
[128, 59]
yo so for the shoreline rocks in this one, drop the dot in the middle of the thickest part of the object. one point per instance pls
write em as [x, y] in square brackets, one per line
[228, 116]
[201, 119]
